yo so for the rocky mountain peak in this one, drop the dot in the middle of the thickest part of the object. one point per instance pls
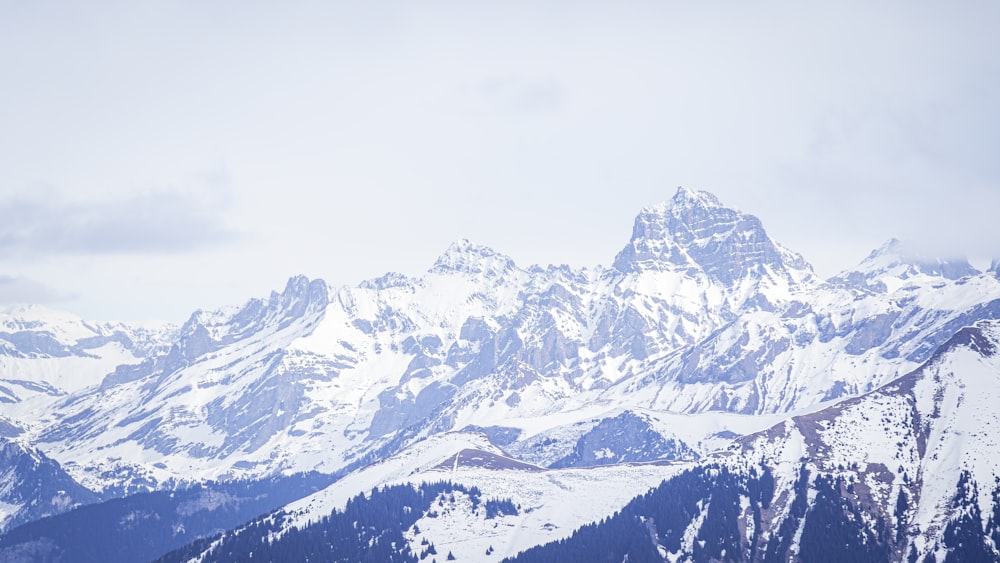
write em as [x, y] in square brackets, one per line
[467, 257]
[206, 331]
[300, 293]
[694, 230]
[899, 259]
[687, 198]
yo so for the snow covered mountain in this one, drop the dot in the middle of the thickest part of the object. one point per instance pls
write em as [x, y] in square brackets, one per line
[537, 383]
[930, 437]
[906, 472]
[701, 313]
[33, 486]
[703, 330]
[54, 353]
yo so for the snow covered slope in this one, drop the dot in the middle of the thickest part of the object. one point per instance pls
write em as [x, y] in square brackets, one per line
[547, 502]
[224, 393]
[52, 353]
[932, 437]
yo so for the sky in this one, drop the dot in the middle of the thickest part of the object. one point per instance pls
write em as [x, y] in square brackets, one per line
[162, 157]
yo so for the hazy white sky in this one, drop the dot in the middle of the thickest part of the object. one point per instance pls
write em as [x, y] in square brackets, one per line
[159, 157]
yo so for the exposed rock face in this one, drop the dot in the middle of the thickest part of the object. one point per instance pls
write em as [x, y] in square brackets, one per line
[624, 438]
[695, 232]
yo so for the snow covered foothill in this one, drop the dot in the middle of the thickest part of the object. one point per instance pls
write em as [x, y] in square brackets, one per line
[552, 503]
[918, 436]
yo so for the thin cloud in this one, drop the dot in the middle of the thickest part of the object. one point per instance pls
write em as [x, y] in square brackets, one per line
[157, 222]
[519, 94]
[15, 290]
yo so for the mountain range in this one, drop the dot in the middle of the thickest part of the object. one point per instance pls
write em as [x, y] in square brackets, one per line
[707, 355]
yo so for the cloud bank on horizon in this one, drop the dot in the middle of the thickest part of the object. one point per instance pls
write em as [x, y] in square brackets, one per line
[162, 222]
[163, 158]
